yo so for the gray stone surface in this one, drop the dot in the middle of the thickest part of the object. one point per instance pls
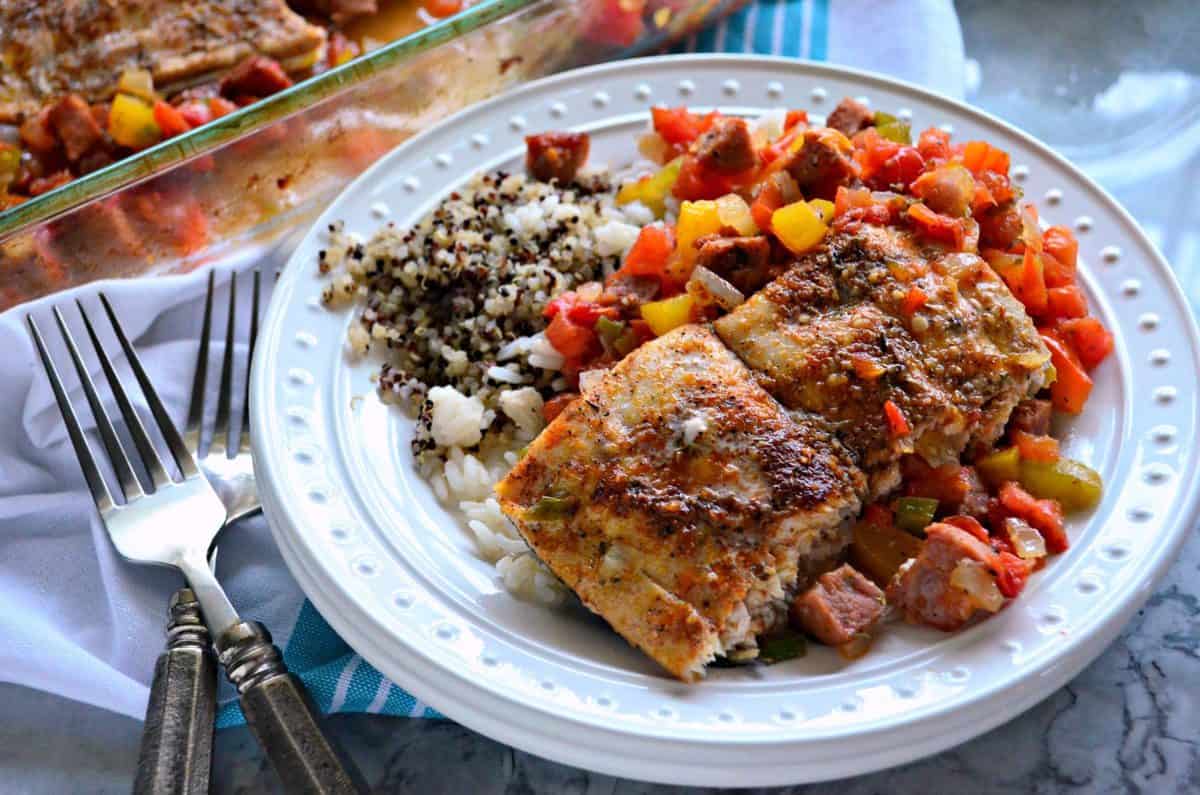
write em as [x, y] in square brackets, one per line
[1115, 87]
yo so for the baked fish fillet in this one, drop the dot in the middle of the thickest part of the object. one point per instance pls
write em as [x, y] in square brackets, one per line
[832, 336]
[681, 502]
[53, 47]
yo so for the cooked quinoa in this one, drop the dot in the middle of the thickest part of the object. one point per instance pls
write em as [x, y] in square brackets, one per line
[457, 299]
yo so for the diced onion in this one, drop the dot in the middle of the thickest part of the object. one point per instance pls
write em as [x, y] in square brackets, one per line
[1028, 542]
[707, 287]
[789, 189]
[589, 379]
[973, 578]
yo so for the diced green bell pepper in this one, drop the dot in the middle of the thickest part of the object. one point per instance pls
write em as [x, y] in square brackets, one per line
[1076, 486]
[914, 514]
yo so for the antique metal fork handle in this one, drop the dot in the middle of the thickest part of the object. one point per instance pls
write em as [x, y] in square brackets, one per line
[281, 715]
[176, 752]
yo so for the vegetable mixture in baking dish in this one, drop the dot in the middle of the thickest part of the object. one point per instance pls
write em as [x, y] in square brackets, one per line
[796, 379]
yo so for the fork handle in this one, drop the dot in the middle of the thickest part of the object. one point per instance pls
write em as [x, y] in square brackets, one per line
[281, 714]
[176, 752]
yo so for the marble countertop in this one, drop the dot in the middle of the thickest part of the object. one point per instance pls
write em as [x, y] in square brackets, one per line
[1105, 83]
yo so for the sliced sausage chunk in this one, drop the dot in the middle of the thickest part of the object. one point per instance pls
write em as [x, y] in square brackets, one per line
[922, 590]
[1031, 416]
[556, 156]
[257, 76]
[822, 164]
[741, 261]
[726, 146]
[850, 116]
[73, 123]
[839, 605]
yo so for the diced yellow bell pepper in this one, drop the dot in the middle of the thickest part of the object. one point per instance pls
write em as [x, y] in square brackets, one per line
[798, 226]
[999, 466]
[824, 208]
[131, 122]
[652, 190]
[1075, 485]
[735, 213]
[669, 313]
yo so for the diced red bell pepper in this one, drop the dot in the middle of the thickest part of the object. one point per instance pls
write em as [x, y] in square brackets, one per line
[1034, 447]
[444, 8]
[570, 339]
[219, 106]
[937, 226]
[697, 182]
[1088, 338]
[649, 254]
[169, 120]
[195, 113]
[879, 515]
[1045, 516]
[1011, 573]
[1059, 241]
[1067, 302]
[1071, 389]
[769, 199]
[679, 125]
[969, 524]
[897, 422]
[980, 156]
[1055, 272]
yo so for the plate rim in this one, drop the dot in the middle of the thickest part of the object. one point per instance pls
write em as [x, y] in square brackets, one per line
[1080, 651]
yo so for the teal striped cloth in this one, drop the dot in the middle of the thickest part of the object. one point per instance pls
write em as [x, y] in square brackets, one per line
[891, 34]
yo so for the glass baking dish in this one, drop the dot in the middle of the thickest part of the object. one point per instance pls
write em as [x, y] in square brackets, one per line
[237, 185]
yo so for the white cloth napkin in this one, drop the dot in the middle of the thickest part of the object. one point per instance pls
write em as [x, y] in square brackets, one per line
[77, 620]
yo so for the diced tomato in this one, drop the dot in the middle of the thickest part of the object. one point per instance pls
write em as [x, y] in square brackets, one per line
[772, 153]
[998, 185]
[901, 169]
[697, 182]
[555, 405]
[1011, 573]
[219, 106]
[1059, 241]
[617, 23]
[872, 150]
[949, 484]
[913, 300]
[968, 523]
[1065, 302]
[170, 120]
[444, 8]
[983, 199]
[679, 125]
[1055, 272]
[980, 156]
[586, 313]
[897, 422]
[1088, 338]
[937, 226]
[195, 113]
[769, 199]
[934, 144]
[879, 515]
[648, 256]
[1045, 516]
[795, 118]
[1034, 447]
[570, 339]
[1071, 388]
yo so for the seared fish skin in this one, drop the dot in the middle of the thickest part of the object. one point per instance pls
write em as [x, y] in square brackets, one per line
[832, 336]
[680, 501]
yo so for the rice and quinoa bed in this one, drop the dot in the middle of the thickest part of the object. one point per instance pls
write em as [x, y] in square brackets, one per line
[454, 306]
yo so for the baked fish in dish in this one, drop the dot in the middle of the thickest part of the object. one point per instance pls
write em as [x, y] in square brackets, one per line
[682, 503]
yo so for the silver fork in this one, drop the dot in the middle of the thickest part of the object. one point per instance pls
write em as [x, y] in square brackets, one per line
[174, 525]
[229, 468]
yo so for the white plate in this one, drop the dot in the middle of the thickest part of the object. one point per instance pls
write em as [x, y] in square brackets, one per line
[399, 579]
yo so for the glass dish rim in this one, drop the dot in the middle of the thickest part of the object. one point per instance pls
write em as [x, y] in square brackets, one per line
[172, 152]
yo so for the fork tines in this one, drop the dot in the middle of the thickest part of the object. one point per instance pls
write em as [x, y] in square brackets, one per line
[131, 488]
[220, 443]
